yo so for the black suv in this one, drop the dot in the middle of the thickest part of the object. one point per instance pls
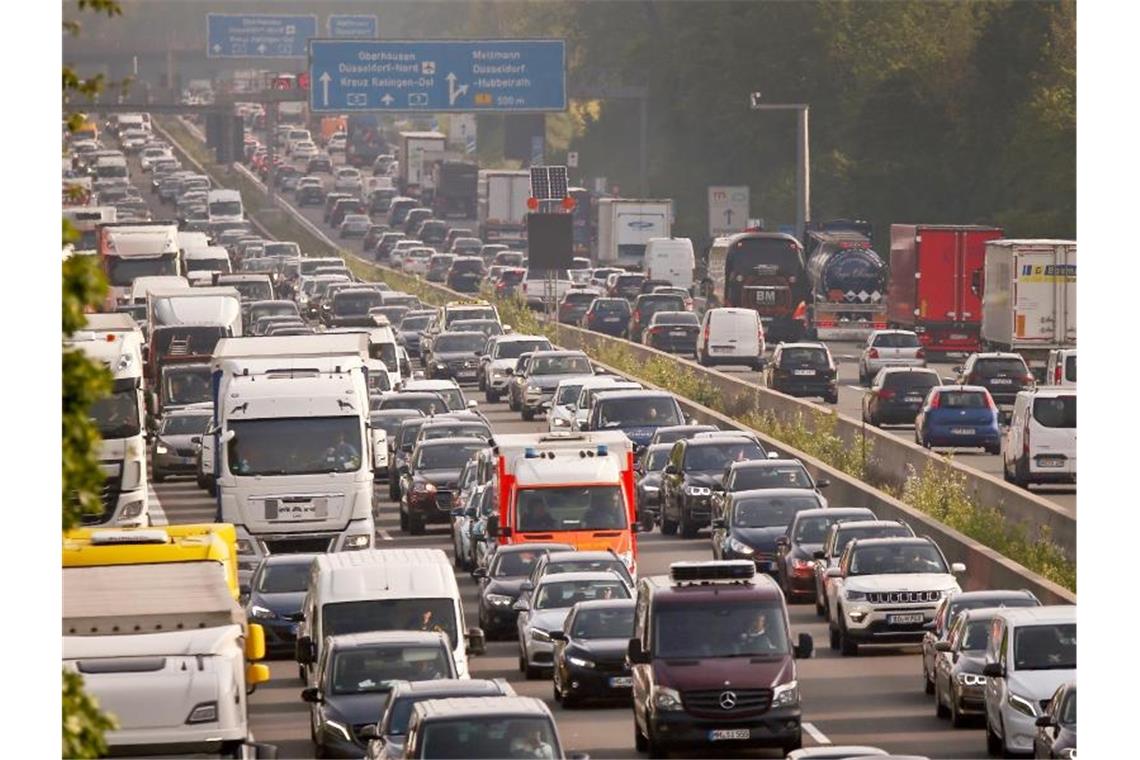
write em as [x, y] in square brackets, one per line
[695, 468]
[428, 487]
[1002, 374]
[803, 369]
[896, 395]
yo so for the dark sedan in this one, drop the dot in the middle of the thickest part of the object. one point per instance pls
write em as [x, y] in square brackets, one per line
[695, 468]
[795, 550]
[455, 355]
[501, 583]
[574, 305]
[428, 487]
[411, 330]
[673, 331]
[466, 274]
[590, 652]
[750, 523]
[648, 304]
[276, 592]
[650, 468]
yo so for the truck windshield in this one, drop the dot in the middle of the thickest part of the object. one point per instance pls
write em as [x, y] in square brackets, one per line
[570, 508]
[121, 272]
[385, 352]
[208, 265]
[423, 614]
[295, 446]
[719, 629]
[486, 736]
[186, 385]
[117, 415]
[368, 670]
[178, 340]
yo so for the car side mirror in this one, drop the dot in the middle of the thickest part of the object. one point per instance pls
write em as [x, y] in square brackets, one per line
[957, 369]
[781, 541]
[942, 646]
[718, 523]
[957, 568]
[692, 421]
[819, 554]
[305, 651]
[476, 641]
[472, 404]
[773, 455]
[559, 636]
[368, 732]
[578, 756]
[834, 572]
[993, 670]
[822, 483]
[526, 586]
[312, 695]
[522, 605]
[636, 527]
[671, 469]
[1045, 721]
[805, 647]
[195, 439]
[636, 654]
[479, 572]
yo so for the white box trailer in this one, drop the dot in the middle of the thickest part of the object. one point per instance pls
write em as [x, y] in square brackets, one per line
[1029, 298]
[625, 226]
[501, 196]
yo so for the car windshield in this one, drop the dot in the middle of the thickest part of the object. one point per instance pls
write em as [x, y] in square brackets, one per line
[514, 564]
[457, 342]
[487, 736]
[844, 536]
[976, 636]
[784, 476]
[896, 340]
[567, 394]
[561, 365]
[633, 411]
[1045, 647]
[716, 629]
[647, 305]
[284, 578]
[294, 446]
[657, 460]
[1000, 368]
[441, 261]
[708, 457]
[355, 303]
[804, 357]
[513, 349]
[614, 566]
[415, 614]
[467, 266]
[1056, 412]
[603, 623]
[116, 415]
[570, 508]
[385, 352]
[887, 559]
[414, 324]
[812, 530]
[962, 400]
[427, 404]
[770, 512]
[471, 430]
[190, 385]
[366, 670]
[185, 424]
[557, 595]
[445, 457]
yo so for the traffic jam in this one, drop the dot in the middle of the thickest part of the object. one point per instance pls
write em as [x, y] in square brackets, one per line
[419, 532]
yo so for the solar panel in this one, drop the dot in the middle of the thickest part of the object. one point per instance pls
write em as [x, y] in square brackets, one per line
[548, 183]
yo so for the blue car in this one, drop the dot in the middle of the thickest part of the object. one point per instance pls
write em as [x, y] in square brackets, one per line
[958, 416]
[277, 591]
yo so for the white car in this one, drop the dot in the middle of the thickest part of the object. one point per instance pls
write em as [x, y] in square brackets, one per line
[148, 157]
[416, 260]
[561, 412]
[731, 336]
[1040, 444]
[400, 250]
[305, 150]
[590, 387]
[1031, 651]
[886, 590]
[889, 348]
[504, 354]
[347, 180]
[337, 143]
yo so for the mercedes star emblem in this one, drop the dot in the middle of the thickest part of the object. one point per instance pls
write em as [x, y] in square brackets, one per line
[727, 700]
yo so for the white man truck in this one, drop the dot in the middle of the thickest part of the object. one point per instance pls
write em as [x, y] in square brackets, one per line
[625, 226]
[501, 197]
[574, 488]
[135, 249]
[291, 441]
[166, 649]
[120, 418]
[1029, 298]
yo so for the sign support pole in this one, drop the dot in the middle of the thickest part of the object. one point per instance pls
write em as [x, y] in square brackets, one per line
[271, 152]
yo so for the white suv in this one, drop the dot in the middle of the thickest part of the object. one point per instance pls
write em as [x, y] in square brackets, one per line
[887, 590]
[502, 359]
[1031, 651]
[1041, 442]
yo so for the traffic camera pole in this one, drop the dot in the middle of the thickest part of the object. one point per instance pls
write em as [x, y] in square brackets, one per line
[803, 160]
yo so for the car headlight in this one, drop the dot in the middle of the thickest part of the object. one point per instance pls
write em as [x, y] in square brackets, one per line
[499, 372]
[500, 600]
[650, 489]
[539, 635]
[160, 448]
[855, 596]
[440, 365]
[263, 613]
[359, 541]
[132, 509]
[205, 712]
[559, 422]
[423, 487]
[666, 699]
[970, 679]
[1069, 753]
[579, 662]
[340, 728]
[532, 390]
[786, 695]
[698, 490]
[1022, 705]
[739, 546]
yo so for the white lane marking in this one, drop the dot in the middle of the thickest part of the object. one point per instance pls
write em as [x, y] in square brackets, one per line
[816, 734]
[154, 506]
[384, 535]
[858, 388]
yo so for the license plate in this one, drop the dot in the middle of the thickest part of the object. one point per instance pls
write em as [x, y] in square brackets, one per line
[300, 511]
[958, 336]
[1051, 462]
[678, 333]
[913, 399]
[621, 682]
[765, 567]
[721, 348]
[611, 319]
[1001, 381]
[905, 619]
[729, 733]
[766, 298]
[294, 628]
[962, 431]
[804, 372]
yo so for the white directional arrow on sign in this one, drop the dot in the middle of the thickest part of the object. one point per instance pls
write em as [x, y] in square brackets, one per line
[324, 79]
[386, 100]
[453, 92]
[261, 48]
[217, 48]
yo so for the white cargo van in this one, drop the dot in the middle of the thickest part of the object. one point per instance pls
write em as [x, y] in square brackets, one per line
[1041, 443]
[731, 336]
[213, 258]
[383, 590]
[1061, 368]
[224, 206]
[670, 259]
[144, 285]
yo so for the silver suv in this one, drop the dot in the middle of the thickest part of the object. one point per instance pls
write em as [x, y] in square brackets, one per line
[889, 348]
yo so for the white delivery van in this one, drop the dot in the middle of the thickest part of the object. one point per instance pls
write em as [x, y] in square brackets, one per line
[213, 258]
[1041, 442]
[1061, 368]
[144, 285]
[670, 259]
[731, 336]
[383, 590]
[224, 206]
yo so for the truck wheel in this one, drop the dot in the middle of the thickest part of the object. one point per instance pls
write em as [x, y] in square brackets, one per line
[819, 610]
[527, 414]
[796, 743]
[703, 360]
[158, 476]
[212, 487]
[415, 525]
[1021, 475]
[492, 396]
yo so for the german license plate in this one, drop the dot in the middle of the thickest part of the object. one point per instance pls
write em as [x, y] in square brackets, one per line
[611, 319]
[804, 372]
[723, 734]
[912, 399]
[310, 510]
[904, 619]
[958, 336]
[678, 333]
[1051, 462]
[621, 682]
[1002, 381]
[962, 431]
[721, 348]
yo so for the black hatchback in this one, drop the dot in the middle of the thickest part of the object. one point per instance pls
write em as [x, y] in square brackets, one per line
[673, 331]
[1002, 374]
[609, 316]
[896, 395]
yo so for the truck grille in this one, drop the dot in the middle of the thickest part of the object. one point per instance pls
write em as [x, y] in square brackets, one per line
[299, 545]
[108, 497]
[728, 701]
[900, 597]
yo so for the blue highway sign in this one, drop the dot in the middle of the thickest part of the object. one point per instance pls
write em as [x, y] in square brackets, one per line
[437, 76]
[258, 35]
[354, 26]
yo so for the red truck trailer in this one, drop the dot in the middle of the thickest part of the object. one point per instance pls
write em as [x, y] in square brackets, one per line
[935, 285]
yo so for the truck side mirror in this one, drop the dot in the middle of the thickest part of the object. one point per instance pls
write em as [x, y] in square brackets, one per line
[255, 642]
[805, 647]
[493, 526]
[368, 732]
[636, 654]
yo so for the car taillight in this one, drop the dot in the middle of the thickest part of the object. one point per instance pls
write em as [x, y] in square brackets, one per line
[919, 354]
[1028, 378]
[886, 393]
[1057, 374]
[873, 353]
[990, 402]
[934, 400]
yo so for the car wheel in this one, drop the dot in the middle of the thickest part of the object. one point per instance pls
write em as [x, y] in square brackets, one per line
[640, 743]
[393, 489]
[703, 360]
[758, 365]
[993, 741]
[415, 525]
[940, 710]
[1021, 475]
[688, 527]
[403, 521]
[158, 476]
[646, 521]
[957, 720]
[927, 682]
[995, 450]
[833, 398]
[819, 609]
[656, 747]
[832, 638]
[847, 645]
[527, 414]
[532, 673]
[794, 744]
